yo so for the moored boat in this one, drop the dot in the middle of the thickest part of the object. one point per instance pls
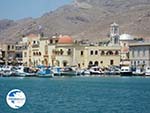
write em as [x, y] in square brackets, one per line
[68, 71]
[147, 71]
[96, 70]
[126, 71]
[24, 72]
[138, 72]
[45, 73]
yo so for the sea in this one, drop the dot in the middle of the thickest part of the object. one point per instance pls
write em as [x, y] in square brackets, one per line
[79, 94]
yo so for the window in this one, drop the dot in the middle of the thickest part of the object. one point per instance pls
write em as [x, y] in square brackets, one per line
[12, 46]
[101, 62]
[34, 42]
[111, 62]
[51, 41]
[96, 52]
[91, 53]
[109, 53]
[116, 53]
[96, 63]
[8, 47]
[82, 53]
[61, 52]
[33, 53]
[69, 52]
[39, 53]
[102, 53]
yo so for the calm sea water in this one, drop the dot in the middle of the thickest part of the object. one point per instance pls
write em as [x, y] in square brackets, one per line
[79, 95]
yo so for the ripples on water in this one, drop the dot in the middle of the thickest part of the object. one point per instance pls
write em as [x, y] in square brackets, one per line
[79, 95]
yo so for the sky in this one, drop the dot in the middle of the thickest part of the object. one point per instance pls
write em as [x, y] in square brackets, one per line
[19, 9]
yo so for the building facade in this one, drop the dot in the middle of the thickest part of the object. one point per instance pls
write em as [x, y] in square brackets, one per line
[64, 51]
[140, 54]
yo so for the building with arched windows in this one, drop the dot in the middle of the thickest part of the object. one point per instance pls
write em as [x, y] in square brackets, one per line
[64, 51]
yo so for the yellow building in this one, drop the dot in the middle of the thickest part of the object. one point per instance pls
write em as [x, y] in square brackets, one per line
[103, 56]
[63, 51]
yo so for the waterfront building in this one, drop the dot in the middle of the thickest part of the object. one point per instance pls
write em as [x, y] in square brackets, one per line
[103, 56]
[31, 53]
[7, 53]
[64, 51]
[125, 40]
[140, 54]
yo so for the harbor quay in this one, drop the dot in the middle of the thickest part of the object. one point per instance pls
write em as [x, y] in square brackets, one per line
[116, 52]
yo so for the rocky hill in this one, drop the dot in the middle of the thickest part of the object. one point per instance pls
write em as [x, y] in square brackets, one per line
[84, 19]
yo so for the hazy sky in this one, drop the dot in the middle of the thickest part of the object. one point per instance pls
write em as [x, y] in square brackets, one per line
[18, 9]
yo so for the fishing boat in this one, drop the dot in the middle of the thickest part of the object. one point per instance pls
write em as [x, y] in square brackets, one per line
[45, 73]
[126, 71]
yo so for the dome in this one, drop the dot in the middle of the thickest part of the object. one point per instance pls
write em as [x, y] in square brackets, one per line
[65, 40]
[126, 37]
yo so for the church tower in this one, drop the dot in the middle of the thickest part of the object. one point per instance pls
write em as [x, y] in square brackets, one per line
[114, 34]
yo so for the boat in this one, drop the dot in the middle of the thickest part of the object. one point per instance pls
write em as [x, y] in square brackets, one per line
[56, 71]
[138, 72]
[112, 70]
[96, 70]
[7, 71]
[68, 71]
[22, 71]
[147, 71]
[45, 73]
[85, 72]
[126, 71]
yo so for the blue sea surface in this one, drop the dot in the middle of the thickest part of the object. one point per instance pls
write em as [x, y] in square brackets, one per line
[79, 94]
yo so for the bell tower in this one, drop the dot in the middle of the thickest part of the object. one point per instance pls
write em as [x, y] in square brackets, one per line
[114, 34]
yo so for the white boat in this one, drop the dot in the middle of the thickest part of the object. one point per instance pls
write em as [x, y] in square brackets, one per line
[147, 71]
[95, 70]
[138, 72]
[7, 71]
[25, 72]
[126, 71]
[85, 72]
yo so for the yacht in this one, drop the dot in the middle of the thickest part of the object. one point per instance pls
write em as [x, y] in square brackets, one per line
[126, 71]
